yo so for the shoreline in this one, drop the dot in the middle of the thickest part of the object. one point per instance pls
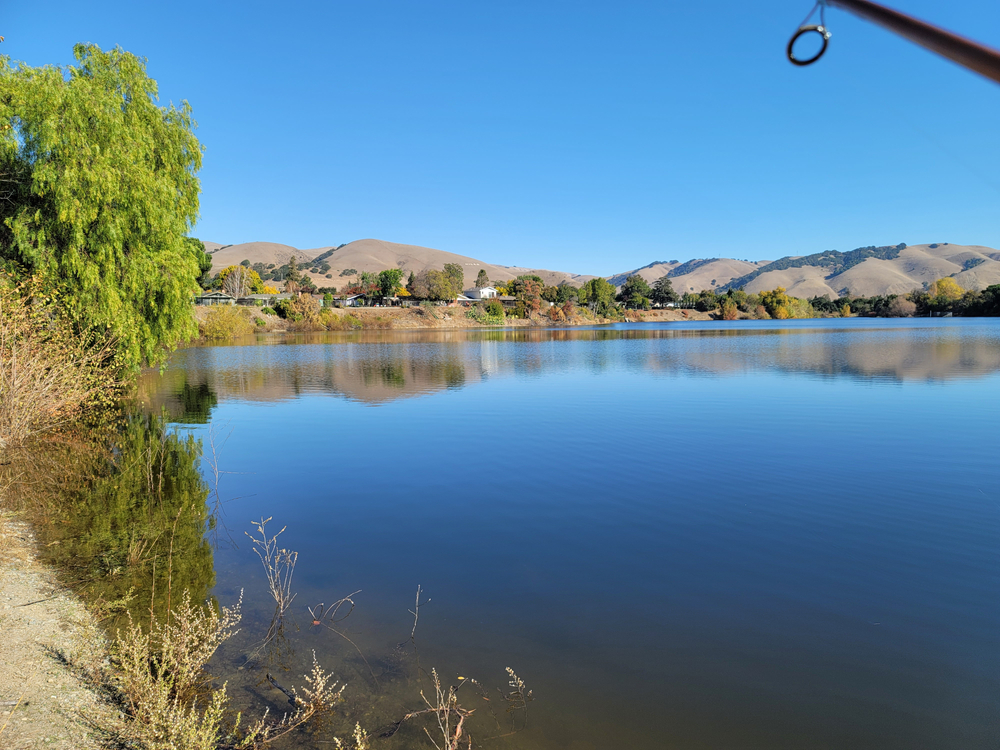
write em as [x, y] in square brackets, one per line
[46, 628]
[444, 318]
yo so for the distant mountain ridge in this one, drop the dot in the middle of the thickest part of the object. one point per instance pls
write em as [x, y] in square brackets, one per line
[865, 271]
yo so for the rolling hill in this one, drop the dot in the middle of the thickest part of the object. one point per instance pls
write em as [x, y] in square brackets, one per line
[891, 269]
[374, 255]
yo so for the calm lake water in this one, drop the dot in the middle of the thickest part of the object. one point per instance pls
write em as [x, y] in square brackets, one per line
[747, 535]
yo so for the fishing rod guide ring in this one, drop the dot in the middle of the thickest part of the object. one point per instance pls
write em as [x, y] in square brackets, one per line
[821, 30]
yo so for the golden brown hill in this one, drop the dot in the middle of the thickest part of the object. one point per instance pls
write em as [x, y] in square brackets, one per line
[914, 267]
[374, 256]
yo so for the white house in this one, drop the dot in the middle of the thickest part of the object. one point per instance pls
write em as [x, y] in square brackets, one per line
[487, 292]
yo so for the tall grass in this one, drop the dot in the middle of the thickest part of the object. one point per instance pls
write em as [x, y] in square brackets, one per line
[49, 371]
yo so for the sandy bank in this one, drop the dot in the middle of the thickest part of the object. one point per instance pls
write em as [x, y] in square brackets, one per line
[42, 701]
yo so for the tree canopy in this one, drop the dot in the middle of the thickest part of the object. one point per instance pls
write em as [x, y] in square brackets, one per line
[389, 281]
[598, 294]
[100, 192]
[663, 292]
[635, 293]
[436, 285]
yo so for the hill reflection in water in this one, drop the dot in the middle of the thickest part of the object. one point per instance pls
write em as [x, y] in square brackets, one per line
[382, 366]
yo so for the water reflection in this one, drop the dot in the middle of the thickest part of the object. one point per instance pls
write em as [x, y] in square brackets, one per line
[127, 524]
[383, 366]
[684, 536]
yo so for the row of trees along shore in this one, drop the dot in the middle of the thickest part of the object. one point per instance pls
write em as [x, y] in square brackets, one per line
[943, 296]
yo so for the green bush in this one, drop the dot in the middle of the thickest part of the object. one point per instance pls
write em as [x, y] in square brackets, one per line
[268, 311]
[485, 316]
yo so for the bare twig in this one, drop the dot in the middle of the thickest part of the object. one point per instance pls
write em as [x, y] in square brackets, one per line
[416, 611]
[332, 613]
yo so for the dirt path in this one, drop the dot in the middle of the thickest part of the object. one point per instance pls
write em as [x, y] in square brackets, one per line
[41, 700]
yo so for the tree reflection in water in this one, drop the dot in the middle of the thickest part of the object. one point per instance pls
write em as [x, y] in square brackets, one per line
[127, 526]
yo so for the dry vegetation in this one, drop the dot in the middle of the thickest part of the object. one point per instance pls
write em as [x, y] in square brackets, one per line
[49, 373]
[167, 700]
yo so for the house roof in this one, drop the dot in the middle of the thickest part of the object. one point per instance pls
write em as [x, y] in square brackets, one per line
[215, 295]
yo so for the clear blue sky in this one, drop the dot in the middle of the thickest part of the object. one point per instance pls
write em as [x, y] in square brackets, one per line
[579, 136]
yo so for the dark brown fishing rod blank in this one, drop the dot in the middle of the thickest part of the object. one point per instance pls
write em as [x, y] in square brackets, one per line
[967, 53]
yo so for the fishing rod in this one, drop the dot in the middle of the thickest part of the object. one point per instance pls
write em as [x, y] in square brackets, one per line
[967, 53]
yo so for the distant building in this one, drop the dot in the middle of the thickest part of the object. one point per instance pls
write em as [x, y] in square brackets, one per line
[214, 298]
[487, 292]
[263, 300]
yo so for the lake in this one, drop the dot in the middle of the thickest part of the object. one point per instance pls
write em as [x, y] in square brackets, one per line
[748, 535]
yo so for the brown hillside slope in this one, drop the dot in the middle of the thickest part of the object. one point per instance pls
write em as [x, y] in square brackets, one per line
[258, 252]
[377, 255]
[972, 266]
[720, 271]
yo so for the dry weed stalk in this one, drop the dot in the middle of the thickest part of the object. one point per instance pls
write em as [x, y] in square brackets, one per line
[319, 696]
[321, 612]
[449, 714]
[517, 699]
[452, 716]
[360, 737]
[416, 612]
[279, 564]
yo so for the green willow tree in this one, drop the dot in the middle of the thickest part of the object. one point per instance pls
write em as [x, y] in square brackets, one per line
[100, 191]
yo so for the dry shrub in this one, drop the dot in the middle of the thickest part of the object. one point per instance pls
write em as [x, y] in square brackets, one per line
[227, 322]
[346, 322]
[49, 371]
[158, 680]
[303, 313]
[556, 314]
[902, 308]
[161, 680]
[729, 311]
